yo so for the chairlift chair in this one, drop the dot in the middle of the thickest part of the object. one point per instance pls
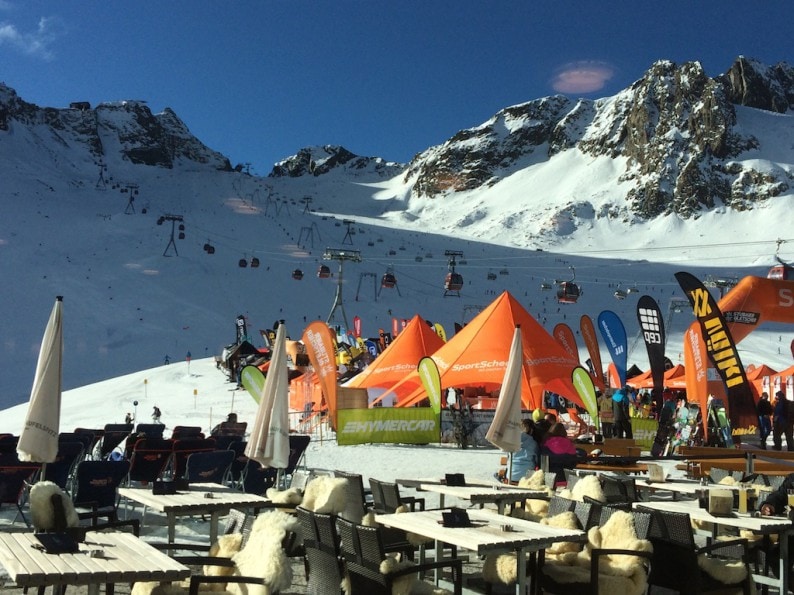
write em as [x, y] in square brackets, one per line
[491, 276]
[504, 271]
[620, 294]
[388, 280]
[545, 286]
[453, 282]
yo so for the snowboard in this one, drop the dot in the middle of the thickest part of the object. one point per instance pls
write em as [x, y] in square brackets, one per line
[686, 425]
[719, 424]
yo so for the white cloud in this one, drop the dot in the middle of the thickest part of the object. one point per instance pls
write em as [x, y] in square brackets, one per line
[36, 43]
[582, 77]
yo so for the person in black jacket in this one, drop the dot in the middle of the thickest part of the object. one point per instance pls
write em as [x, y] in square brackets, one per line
[764, 409]
[776, 502]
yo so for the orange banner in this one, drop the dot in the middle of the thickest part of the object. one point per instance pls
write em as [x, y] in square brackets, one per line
[587, 329]
[319, 342]
[756, 300]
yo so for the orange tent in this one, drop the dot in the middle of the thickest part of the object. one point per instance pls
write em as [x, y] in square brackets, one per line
[756, 300]
[756, 378]
[477, 356]
[673, 378]
[414, 342]
[780, 379]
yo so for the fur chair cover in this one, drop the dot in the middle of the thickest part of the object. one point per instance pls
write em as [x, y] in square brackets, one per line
[291, 496]
[589, 486]
[325, 494]
[534, 509]
[408, 584]
[41, 511]
[617, 573]
[262, 557]
[730, 572]
[501, 568]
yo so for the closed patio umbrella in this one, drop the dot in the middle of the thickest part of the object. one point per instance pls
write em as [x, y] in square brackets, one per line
[269, 440]
[38, 440]
[505, 429]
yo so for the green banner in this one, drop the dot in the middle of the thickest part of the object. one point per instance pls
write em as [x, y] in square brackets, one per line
[431, 381]
[644, 431]
[583, 384]
[389, 425]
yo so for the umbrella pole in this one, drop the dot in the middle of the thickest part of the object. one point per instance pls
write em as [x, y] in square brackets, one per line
[43, 473]
[509, 467]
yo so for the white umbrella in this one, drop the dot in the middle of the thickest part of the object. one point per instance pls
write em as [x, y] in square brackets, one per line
[269, 440]
[505, 429]
[38, 440]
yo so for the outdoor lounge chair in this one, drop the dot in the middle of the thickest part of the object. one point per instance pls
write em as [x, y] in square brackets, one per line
[96, 488]
[182, 449]
[61, 471]
[209, 467]
[149, 458]
[14, 475]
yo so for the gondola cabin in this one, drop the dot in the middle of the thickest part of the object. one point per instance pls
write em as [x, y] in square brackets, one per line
[254, 263]
[388, 280]
[453, 282]
[568, 293]
[491, 276]
[242, 263]
[297, 274]
[781, 272]
[324, 271]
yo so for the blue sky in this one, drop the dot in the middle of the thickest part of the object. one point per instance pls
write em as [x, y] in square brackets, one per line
[258, 80]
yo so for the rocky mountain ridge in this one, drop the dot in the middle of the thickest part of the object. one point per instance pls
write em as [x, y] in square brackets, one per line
[125, 129]
[675, 126]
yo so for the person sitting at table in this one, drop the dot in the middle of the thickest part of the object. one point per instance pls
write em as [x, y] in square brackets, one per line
[775, 504]
[556, 442]
[527, 458]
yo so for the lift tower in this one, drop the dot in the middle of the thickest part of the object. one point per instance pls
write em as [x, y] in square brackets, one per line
[340, 256]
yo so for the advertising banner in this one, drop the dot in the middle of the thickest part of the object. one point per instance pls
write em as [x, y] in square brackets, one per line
[387, 425]
[614, 335]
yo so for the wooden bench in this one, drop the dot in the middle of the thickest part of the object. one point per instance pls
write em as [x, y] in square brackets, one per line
[619, 447]
[738, 459]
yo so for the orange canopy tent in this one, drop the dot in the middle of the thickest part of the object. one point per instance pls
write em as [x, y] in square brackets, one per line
[673, 378]
[477, 356]
[756, 378]
[414, 342]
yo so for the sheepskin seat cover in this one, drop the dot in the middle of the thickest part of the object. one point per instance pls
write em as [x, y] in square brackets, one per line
[501, 568]
[617, 573]
[729, 572]
[325, 494]
[261, 557]
[589, 486]
[534, 509]
[290, 496]
[41, 510]
[407, 584]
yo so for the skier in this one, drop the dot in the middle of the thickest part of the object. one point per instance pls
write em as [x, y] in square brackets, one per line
[156, 415]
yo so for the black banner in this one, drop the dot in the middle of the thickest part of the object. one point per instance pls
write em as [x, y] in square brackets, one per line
[723, 354]
[242, 329]
[651, 322]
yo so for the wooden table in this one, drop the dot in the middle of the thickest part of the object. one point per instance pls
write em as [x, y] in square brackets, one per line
[757, 524]
[125, 558]
[496, 493]
[627, 468]
[485, 536]
[195, 501]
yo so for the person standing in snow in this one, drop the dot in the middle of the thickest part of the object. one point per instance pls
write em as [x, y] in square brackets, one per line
[620, 414]
[156, 415]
